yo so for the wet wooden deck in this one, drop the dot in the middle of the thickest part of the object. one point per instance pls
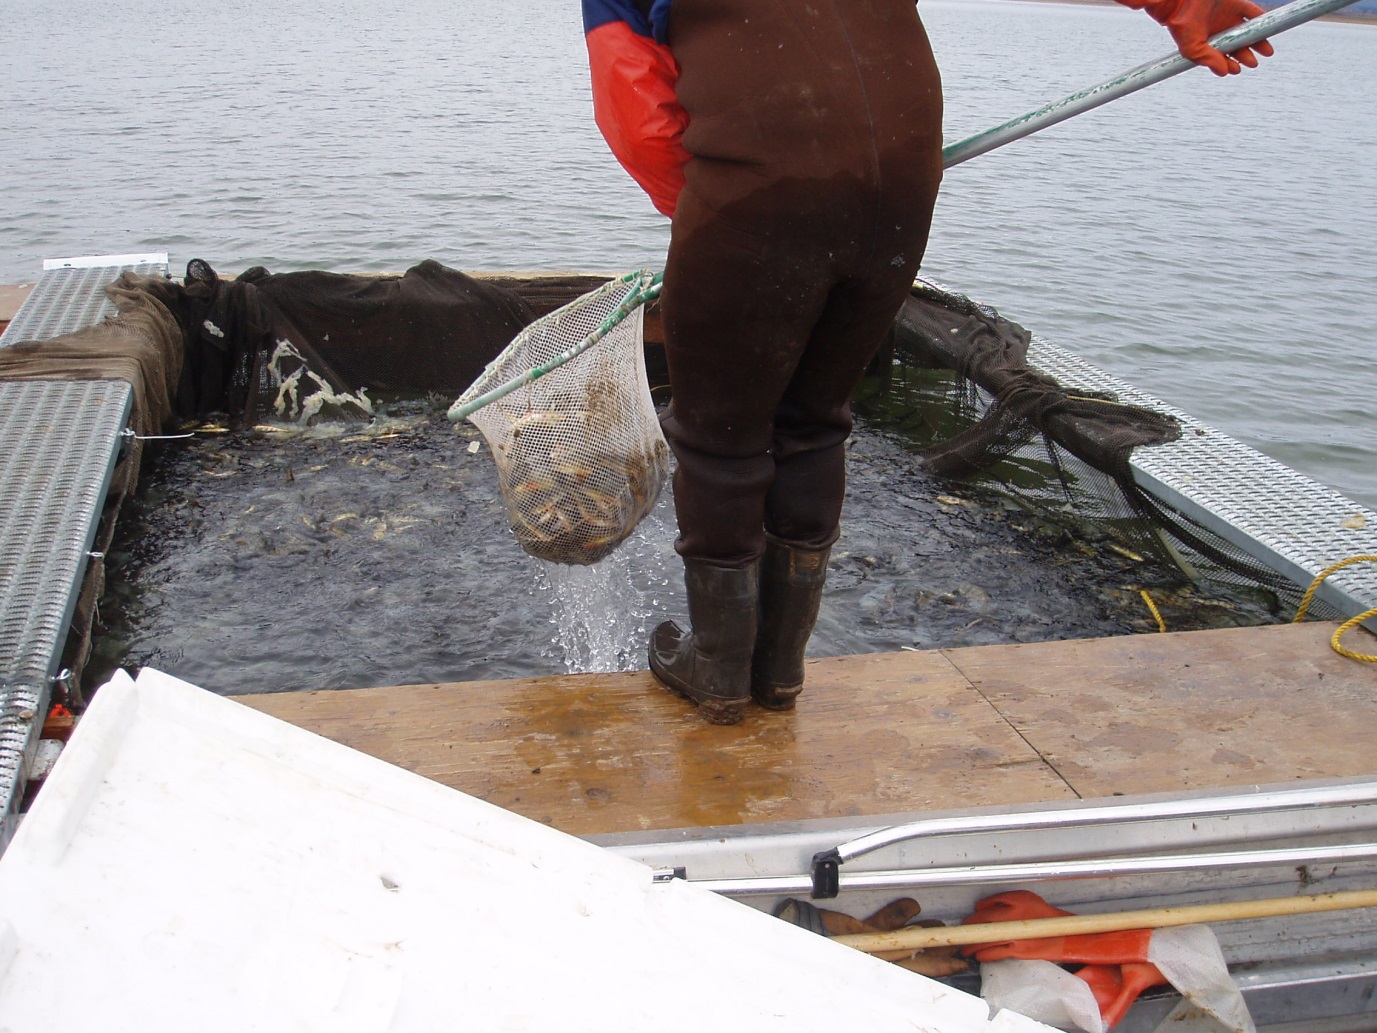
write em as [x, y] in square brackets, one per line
[885, 733]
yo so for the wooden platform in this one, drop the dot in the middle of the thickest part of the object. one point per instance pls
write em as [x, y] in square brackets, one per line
[884, 733]
[11, 298]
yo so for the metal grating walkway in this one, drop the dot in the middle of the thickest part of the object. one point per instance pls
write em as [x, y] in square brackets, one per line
[63, 439]
[1284, 519]
[70, 295]
[52, 489]
[61, 442]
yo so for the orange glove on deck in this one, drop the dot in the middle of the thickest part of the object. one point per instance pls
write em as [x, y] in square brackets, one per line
[1090, 948]
[1116, 987]
[1192, 22]
[1117, 968]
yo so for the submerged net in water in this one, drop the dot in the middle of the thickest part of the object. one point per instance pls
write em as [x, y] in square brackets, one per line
[1053, 539]
[1055, 446]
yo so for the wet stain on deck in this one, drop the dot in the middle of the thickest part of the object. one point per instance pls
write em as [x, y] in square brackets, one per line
[882, 733]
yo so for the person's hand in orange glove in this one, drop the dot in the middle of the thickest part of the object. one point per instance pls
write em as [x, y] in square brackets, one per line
[1192, 22]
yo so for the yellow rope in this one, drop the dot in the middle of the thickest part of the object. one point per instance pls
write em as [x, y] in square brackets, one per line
[1161, 624]
[1347, 625]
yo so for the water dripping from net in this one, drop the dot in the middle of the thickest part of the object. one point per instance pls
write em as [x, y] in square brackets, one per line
[602, 613]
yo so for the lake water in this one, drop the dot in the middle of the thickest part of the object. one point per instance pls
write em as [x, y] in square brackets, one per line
[1211, 241]
[346, 555]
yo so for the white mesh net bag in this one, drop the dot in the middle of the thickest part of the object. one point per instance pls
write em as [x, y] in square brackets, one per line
[579, 452]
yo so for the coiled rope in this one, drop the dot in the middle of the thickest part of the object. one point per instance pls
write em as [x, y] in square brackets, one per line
[1347, 625]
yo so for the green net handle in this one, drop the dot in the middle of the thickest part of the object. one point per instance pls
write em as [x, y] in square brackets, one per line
[647, 289]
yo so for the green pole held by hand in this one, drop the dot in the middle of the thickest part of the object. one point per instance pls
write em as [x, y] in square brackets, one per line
[646, 287]
[1270, 24]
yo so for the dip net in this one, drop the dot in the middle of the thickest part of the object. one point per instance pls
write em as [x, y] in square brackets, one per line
[580, 456]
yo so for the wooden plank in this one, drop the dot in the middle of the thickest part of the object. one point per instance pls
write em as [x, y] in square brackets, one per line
[884, 733]
[1194, 710]
[11, 298]
[875, 734]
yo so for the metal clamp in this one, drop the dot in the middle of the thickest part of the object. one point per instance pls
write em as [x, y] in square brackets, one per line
[826, 874]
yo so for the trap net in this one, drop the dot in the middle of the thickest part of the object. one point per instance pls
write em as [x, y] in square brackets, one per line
[1056, 450]
[580, 456]
[306, 346]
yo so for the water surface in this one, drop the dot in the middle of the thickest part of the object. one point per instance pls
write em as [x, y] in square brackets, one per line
[1211, 241]
[351, 555]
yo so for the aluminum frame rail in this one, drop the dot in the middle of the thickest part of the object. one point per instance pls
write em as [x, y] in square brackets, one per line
[1327, 823]
[825, 879]
[1262, 802]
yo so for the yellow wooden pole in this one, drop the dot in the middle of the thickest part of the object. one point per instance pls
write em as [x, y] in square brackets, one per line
[916, 938]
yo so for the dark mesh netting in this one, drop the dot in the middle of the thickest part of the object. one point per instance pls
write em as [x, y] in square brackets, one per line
[299, 345]
[954, 385]
[1057, 448]
[990, 351]
[291, 346]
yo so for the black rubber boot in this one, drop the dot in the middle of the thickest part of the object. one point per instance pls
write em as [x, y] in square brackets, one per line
[791, 582]
[711, 665]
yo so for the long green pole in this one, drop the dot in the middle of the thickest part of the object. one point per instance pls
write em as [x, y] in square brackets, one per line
[1270, 24]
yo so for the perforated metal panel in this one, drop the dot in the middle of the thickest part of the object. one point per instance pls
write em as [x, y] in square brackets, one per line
[69, 299]
[61, 440]
[1288, 521]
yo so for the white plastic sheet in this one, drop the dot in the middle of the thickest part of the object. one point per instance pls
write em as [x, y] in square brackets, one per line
[1188, 956]
[192, 864]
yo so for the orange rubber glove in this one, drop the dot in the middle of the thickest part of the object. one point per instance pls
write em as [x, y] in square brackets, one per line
[1019, 905]
[1119, 969]
[1116, 987]
[635, 107]
[1192, 22]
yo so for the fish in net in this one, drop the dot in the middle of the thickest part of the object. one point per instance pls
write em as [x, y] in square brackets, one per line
[580, 455]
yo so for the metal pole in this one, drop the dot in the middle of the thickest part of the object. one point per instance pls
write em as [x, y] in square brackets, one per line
[1270, 24]
[920, 878]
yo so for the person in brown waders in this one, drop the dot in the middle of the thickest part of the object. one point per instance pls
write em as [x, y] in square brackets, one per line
[796, 144]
